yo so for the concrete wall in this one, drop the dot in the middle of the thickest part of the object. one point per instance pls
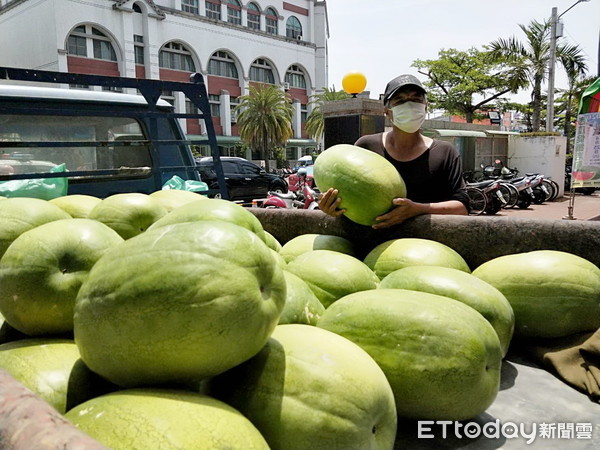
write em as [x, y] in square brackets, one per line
[446, 125]
[19, 48]
[476, 239]
[540, 154]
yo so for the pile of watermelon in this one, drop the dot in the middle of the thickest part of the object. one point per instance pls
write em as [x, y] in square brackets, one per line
[175, 321]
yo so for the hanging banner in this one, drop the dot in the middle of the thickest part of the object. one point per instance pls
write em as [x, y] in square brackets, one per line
[586, 155]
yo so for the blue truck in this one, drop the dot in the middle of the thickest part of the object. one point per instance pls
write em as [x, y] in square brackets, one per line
[101, 141]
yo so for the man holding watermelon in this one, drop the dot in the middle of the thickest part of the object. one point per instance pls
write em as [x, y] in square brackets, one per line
[431, 169]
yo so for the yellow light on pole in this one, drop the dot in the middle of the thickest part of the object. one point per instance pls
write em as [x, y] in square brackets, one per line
[354, 83]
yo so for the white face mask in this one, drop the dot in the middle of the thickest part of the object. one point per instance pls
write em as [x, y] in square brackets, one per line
[409, 116]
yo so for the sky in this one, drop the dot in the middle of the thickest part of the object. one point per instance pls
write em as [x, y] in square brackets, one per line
[382, 38]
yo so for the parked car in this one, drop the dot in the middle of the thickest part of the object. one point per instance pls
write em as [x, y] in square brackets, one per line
[245, 180]
[304, 161]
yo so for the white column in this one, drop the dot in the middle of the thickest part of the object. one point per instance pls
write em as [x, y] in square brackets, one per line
[297, 119]
[127, 68]
[224, 11]
[152, 43]
[180, 108]
[309, 34]
[225, 101]
[62, 60]
[244, 16]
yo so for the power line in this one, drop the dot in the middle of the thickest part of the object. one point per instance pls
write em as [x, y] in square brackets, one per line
[574, 41]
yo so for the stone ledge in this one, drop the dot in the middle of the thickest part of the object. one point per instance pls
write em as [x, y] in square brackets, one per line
[477, 239]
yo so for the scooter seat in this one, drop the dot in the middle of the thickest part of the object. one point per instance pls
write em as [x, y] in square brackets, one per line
[287, 196]
[482, 184]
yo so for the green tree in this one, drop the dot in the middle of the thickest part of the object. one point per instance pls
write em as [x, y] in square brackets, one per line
[279, 155]
[265, 119]
[532, 57]
[568, 104]
[315, 122]
[463, 82]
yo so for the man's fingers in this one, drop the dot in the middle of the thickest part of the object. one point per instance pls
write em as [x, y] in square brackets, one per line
[399, 201]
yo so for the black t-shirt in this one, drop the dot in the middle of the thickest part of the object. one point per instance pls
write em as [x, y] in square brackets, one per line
[435, 176]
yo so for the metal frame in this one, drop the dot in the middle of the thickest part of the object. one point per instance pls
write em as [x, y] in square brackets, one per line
[151, 90]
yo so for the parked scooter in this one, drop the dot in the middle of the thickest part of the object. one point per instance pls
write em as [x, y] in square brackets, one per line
[494, 200]
[304, 198]
[525, 187]
[498, 171]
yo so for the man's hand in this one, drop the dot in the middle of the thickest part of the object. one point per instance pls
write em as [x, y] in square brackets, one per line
[404, 209]
[329, 202]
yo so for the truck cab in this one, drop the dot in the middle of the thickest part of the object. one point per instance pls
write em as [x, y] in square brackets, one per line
[104, 142]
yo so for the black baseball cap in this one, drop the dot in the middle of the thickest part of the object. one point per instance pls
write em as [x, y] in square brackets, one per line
[399, 82]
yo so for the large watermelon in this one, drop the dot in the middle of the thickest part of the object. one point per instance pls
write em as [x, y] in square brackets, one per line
[366, 182]
[552, 293]
[164, 419]
[441, 357]
[461, 286]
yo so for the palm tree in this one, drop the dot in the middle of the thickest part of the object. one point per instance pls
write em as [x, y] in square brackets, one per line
[315, 122]
[265, 119]
[533, 56]
[575, 67]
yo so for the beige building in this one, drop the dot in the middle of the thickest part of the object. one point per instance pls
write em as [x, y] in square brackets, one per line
[232, 43]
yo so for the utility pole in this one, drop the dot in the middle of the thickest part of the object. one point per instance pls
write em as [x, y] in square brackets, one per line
[555, 32]
[550, 107]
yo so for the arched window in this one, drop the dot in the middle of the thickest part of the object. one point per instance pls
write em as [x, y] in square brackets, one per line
[86, 39]
[253, 16]
[295, 77]
[177, 57]
[190, 6]
[137, 9]
[234, 12]
[271, 19]
[213, 9]
[293, 28]
[221, 64]
[261, 72]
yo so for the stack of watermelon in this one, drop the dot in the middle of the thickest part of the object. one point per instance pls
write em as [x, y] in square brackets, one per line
[158, 321]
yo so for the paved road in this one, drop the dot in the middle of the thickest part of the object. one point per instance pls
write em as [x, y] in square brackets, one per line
[585, 207]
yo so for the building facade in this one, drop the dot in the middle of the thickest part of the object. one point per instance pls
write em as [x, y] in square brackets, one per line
[232, 43]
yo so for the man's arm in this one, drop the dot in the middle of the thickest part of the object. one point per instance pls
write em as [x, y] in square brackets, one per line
[405, 209]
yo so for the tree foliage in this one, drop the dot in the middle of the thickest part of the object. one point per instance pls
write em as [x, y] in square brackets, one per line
[567, 104]
[315, 122]
[464, 82]
[532, 57]
[265, 119]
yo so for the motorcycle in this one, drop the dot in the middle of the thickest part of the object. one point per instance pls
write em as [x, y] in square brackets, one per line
[305, 197]
[525, 187]
[498, 171]
[533, 188]
[493, 199]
